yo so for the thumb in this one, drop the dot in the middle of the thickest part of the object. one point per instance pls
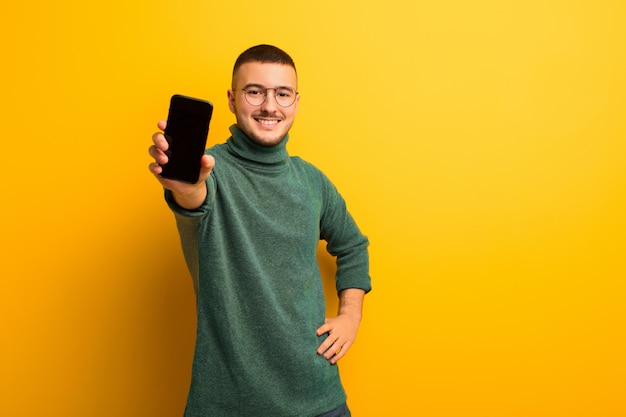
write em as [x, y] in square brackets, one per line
[206, 166]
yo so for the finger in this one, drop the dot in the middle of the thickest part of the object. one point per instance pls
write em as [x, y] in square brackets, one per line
[159, 156]
[160, 142]
[339, 354]
[162, 124]
[333, 350]
[324, 328]
[155, 168]
[325, 347]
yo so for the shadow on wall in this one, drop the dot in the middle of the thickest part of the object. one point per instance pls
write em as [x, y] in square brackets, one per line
[328, 268]
[131, 327]
[121, 342]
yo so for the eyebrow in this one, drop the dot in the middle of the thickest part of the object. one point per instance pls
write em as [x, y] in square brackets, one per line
[264, 87]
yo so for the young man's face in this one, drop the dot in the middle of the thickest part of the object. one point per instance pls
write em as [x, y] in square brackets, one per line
[268, 123]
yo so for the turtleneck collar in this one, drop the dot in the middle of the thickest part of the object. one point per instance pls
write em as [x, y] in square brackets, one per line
[242, 146]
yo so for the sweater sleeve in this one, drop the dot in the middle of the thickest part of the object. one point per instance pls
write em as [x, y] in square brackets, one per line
[188, 224]
[344, 241]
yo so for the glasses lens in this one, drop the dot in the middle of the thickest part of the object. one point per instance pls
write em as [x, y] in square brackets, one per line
[285, 96]
[255, 95]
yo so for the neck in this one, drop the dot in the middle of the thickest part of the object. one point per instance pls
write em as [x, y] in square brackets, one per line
[241, 145]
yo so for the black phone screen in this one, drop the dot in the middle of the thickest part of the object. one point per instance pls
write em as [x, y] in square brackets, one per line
[186, 133]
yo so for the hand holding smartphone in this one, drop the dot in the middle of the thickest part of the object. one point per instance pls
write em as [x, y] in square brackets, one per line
[186, 134]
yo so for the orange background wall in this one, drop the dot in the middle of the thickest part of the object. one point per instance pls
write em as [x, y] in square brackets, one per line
[480, 145]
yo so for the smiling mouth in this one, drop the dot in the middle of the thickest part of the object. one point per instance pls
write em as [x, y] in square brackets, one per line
[268, 122]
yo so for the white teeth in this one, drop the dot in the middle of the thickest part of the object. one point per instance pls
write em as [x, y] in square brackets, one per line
[267, 122]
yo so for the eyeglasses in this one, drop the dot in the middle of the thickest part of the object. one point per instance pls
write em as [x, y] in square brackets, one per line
[256, 95]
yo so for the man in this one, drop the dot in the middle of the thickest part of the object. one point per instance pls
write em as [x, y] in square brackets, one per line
[249, 229]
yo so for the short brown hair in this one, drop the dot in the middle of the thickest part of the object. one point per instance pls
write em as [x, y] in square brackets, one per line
[265, 54]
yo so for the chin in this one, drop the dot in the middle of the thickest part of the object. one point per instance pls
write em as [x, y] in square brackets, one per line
[265, 139]
[262, 136]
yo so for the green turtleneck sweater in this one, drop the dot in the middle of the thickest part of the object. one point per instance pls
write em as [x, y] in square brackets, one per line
[251, 250]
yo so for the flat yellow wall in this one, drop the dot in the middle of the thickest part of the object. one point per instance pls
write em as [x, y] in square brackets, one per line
[480, 145]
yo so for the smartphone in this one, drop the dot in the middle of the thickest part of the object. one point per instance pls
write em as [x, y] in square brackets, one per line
[186, 133]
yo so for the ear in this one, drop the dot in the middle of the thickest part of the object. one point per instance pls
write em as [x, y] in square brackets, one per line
[231, 100]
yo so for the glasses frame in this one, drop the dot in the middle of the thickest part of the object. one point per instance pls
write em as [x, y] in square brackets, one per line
[264, 90]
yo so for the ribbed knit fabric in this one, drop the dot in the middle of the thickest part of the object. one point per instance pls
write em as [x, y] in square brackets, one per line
[251, 250]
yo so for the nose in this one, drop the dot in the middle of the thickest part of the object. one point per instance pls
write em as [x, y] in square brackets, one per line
[269, 105]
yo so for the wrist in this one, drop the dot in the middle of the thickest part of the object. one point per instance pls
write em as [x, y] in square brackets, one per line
[192, 197]
[351, 303]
